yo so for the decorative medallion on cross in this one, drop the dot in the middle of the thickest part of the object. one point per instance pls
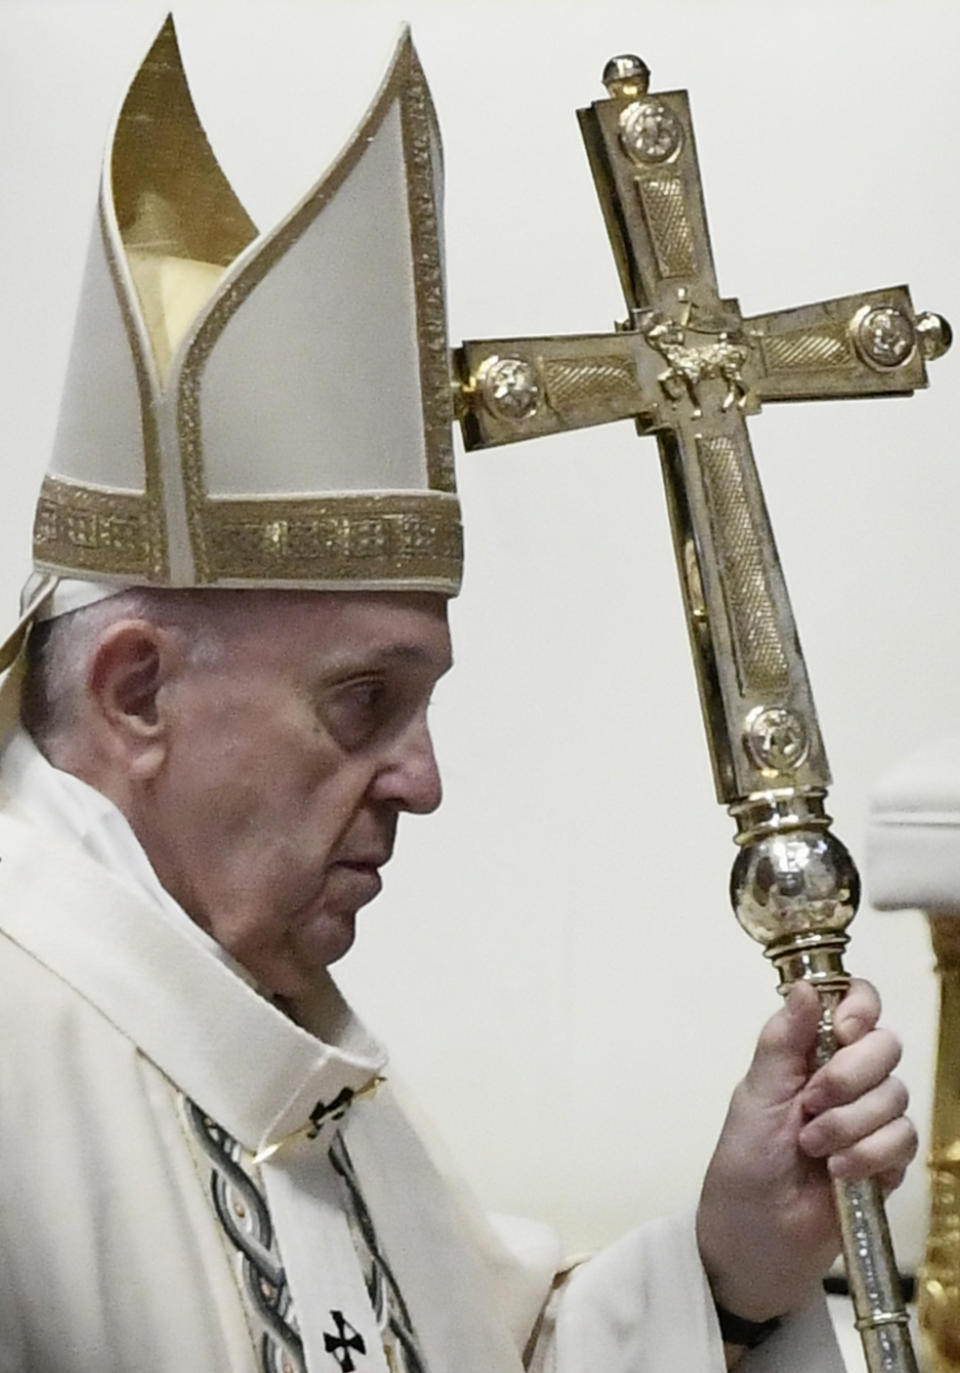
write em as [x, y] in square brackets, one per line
[688, 367]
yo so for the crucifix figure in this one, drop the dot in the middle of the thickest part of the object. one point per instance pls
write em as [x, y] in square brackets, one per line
[686, 366]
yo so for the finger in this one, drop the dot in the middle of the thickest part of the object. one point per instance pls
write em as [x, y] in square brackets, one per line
[852, 1071]
[884, 1153]
[843, 1126]
[890, 1181]
[858, 1012]
[780, 1064]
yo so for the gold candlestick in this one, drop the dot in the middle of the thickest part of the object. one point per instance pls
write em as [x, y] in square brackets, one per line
[938, 1286]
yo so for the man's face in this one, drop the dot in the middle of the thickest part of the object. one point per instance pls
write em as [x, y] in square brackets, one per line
[288, 763]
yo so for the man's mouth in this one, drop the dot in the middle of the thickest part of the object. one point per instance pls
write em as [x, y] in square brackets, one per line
[363, 862]
[362, 875]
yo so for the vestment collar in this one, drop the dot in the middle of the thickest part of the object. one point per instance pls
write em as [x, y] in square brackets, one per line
[77, 891]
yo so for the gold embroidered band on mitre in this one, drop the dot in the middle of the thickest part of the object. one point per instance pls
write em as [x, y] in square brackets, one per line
[181, 260]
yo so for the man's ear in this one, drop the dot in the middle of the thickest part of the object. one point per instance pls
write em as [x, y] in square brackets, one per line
[132, 664]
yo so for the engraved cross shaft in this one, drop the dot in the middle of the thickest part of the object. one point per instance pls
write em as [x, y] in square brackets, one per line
[686, 366]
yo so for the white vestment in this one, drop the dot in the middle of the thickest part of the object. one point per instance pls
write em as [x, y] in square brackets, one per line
[140, 1073]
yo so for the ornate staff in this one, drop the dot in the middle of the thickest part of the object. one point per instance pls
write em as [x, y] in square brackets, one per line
[687, 367]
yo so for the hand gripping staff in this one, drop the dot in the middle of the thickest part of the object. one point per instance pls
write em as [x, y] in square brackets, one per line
[688, 367]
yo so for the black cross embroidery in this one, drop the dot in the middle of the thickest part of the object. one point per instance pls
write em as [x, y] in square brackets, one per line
[334, 1110]
[340, 1344]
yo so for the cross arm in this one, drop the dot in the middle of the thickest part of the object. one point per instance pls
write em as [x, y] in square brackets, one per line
[510, 389]
[872, 344]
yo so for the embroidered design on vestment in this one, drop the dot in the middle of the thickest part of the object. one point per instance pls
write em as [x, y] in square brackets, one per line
[340, 1344]
[242, 1211]
[333, 1110]
[393, 1319]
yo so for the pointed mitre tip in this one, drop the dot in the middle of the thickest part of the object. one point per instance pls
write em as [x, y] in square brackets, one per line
[404, 44]
[168, 30]
[165, 42]
[403, 59]
[162, 65]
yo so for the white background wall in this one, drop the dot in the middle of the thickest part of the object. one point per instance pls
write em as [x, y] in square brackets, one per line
[554, 960]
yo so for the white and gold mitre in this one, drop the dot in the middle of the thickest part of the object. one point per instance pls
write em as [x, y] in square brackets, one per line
[269, 410]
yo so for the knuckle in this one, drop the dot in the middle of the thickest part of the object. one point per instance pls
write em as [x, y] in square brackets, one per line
[838, 1081]
[825, 1135]
[879, 1144]
[863, 987]
[890, 1045]
[858, 1067]
[772, 1032]
[883, 1153]
[862, 999]
[900, 1094]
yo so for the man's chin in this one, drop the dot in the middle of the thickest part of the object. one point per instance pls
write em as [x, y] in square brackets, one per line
[291, 966]
[322, 941]
[294, 967]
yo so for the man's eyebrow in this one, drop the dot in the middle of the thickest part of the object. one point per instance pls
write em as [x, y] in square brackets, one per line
[385, 656]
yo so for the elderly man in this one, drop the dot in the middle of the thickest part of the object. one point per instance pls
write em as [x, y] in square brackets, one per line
[238, 618]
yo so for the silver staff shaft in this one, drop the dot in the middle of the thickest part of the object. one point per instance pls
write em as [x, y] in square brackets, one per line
[795, 889]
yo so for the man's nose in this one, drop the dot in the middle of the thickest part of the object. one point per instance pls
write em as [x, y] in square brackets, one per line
[410, 778]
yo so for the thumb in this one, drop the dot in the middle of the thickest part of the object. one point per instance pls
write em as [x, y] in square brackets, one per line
[781, 1061]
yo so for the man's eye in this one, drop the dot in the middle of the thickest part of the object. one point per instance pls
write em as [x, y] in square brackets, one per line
[367, 695]
[356, 711]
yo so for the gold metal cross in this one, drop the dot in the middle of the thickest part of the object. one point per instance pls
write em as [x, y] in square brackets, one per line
[688, 367]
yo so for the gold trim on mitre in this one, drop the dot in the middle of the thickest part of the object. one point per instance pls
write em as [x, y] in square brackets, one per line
[368, 539]
[175, 263]
[214, 558]
[163, 266]
[52, 546]
[420, 135]
[179, 219]
[106, 532]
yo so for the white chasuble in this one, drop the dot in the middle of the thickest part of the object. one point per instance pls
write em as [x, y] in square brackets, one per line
[191, 1182]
